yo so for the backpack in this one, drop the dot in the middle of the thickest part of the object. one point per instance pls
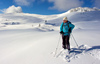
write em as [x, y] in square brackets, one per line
[69, 28]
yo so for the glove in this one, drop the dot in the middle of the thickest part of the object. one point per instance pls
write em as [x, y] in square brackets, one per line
[69, 30]
[61, 32]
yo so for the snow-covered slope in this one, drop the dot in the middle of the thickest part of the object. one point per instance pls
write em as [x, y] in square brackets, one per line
[28, 39]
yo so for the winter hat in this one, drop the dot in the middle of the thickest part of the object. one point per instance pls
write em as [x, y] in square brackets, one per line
[65, 18]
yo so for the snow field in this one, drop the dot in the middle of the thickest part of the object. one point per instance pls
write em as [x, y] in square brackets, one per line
[28, 43]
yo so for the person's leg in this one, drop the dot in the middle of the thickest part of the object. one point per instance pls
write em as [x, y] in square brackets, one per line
[67, 42]
[64, 42]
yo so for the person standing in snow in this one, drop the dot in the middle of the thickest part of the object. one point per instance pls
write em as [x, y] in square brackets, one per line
[66, 29]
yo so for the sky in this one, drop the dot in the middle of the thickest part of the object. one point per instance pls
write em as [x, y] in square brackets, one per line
[44, 7]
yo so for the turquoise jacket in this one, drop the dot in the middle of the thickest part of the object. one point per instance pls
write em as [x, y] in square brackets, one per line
[65, 27]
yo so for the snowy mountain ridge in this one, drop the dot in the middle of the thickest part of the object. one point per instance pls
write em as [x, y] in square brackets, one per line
[83, 9]
[18, 20]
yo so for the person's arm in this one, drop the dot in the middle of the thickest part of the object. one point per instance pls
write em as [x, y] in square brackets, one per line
[71, 26]
[61, 27]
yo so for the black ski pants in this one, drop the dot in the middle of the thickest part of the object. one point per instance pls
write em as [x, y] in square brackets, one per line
[65, 43]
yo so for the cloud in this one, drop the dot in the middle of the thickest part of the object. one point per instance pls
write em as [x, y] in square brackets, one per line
[97, 3]
[12, 9]
[24, 2]
[63, 5]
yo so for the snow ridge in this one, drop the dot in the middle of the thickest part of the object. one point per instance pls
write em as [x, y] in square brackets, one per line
[85, 9]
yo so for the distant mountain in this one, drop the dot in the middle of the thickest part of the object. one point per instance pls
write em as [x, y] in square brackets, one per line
[76, 16]
[83, 9]
[73, 15]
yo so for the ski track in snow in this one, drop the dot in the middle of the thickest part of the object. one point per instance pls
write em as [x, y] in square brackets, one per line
[76, 53]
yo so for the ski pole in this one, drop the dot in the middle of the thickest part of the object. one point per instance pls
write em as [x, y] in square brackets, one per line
[57, 47]
[74, 40]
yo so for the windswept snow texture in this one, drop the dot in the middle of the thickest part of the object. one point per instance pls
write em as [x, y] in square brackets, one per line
[32, 39]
